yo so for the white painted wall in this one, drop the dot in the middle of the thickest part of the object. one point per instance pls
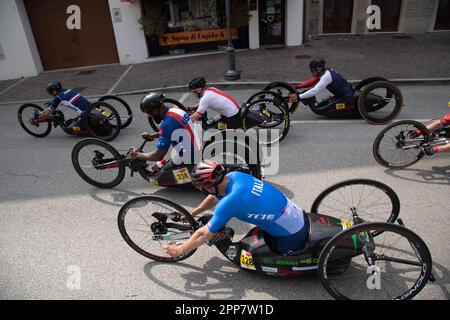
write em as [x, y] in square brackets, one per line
[253, 29]
[130, 38]
[294, 22]
[20, 53]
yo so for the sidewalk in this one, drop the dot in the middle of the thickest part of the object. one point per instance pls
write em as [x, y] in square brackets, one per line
[394, 56]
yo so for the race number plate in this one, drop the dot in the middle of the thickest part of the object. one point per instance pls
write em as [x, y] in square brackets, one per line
[346, 224]
[222, 126]
[247, 260]
[76, 129]
[106, 113]
[340, 106]
[182, 176]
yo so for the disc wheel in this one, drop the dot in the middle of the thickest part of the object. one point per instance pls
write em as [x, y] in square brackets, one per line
[269, 118]
[357, 201]
[35, 128]
[102, 121]
[93, 160]
[149, 223]
[395, 265]
[122, 107]
[380, 102]
[397, 146]
[171, 103]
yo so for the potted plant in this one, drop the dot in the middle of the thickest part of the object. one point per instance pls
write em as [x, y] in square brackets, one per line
[154, 23]
[240, 18]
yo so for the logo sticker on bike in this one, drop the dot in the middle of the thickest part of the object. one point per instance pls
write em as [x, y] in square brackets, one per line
[153, 182]
[247, 260]
[182, 176]
[231, 252]
[346, 224]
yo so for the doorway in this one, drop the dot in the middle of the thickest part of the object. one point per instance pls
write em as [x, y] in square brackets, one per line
[272, 22]
[443, 16]
[337, 16]
[390, 14]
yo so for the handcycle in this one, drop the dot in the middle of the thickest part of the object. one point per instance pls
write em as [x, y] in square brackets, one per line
[353, 240]
[376, 100]
[265, 113]
[399, 145]
[101, 165]
[101, 120]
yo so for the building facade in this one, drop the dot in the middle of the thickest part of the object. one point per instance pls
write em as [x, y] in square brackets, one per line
[37, 36]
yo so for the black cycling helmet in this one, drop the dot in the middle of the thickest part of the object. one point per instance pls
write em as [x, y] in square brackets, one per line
[54, 85]
[151, 101]
[317, 63]
[207, 174]
[197, 83]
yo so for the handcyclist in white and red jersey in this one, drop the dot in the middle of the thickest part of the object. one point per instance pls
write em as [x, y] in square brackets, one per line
[217, 100]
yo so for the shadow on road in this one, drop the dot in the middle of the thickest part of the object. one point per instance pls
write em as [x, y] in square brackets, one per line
[437, 175]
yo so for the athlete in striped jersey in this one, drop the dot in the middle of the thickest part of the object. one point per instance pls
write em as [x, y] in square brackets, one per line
[170, 120]
[68, 98]
[214, 99]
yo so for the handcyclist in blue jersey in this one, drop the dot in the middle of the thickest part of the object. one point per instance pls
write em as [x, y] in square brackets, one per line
[170, 120]
[66, 97]
[239, 195]
[325, 78]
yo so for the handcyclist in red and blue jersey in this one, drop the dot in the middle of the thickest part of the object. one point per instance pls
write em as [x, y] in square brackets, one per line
[239, 195]
[170, 120]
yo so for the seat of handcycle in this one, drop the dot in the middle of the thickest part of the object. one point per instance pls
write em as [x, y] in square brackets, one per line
[321, 229]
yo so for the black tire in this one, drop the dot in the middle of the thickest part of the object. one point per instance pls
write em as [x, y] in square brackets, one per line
[124, 110]
[369, 113]
[29, 107]
[278, 98]
[391, 136]
[172, 103]
[250, 119]
[283, 89]
[80, 167]
[110, 118]
[136, 203]
[348, 201]
[345, 250]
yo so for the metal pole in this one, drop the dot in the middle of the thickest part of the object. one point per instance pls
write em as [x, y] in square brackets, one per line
[231, 74]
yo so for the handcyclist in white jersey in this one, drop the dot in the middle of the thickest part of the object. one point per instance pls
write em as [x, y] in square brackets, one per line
[217, 100]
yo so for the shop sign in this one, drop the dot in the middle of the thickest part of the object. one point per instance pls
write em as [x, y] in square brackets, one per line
[173, 39]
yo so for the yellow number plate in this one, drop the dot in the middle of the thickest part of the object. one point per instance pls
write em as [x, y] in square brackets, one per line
[340, 106]
[106, 113]
[247, 260]
[222, 126]
[76, 129]
[182, 176]
[346, 224]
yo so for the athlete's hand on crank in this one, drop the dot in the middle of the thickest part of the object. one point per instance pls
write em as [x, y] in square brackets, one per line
[146, 135]
[173, 250]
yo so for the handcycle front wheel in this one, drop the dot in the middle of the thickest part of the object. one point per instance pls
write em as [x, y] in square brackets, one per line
[284, 89]
[171, 103]
[358, 200]
[95, 161]
[39, 129]
[149, 223]
[102, 121]
[395, 265]
[122, 107]
[397, 145]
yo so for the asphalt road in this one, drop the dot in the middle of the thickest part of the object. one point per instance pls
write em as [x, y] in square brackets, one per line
[50, 219]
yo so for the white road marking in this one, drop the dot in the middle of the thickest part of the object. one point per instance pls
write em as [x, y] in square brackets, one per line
[120, 80]
[12, 86]
[184, 97]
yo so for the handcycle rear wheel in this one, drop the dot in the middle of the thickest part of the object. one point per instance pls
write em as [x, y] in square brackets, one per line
[25, 117]
[122, 107]
[358, 200]
[380, 102]
[171, 103]
[87, 157]
[102, 121]
[149, 223]
[389, 146]
[395, 265]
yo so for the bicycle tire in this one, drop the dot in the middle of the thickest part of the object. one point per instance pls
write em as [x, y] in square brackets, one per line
[114, 115]
[22, 123]
[378, 140]
[125, 105]
[286, 86]
[122, 228]
[76, 163]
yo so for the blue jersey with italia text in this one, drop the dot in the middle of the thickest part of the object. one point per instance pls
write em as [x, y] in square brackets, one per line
[254, 201]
